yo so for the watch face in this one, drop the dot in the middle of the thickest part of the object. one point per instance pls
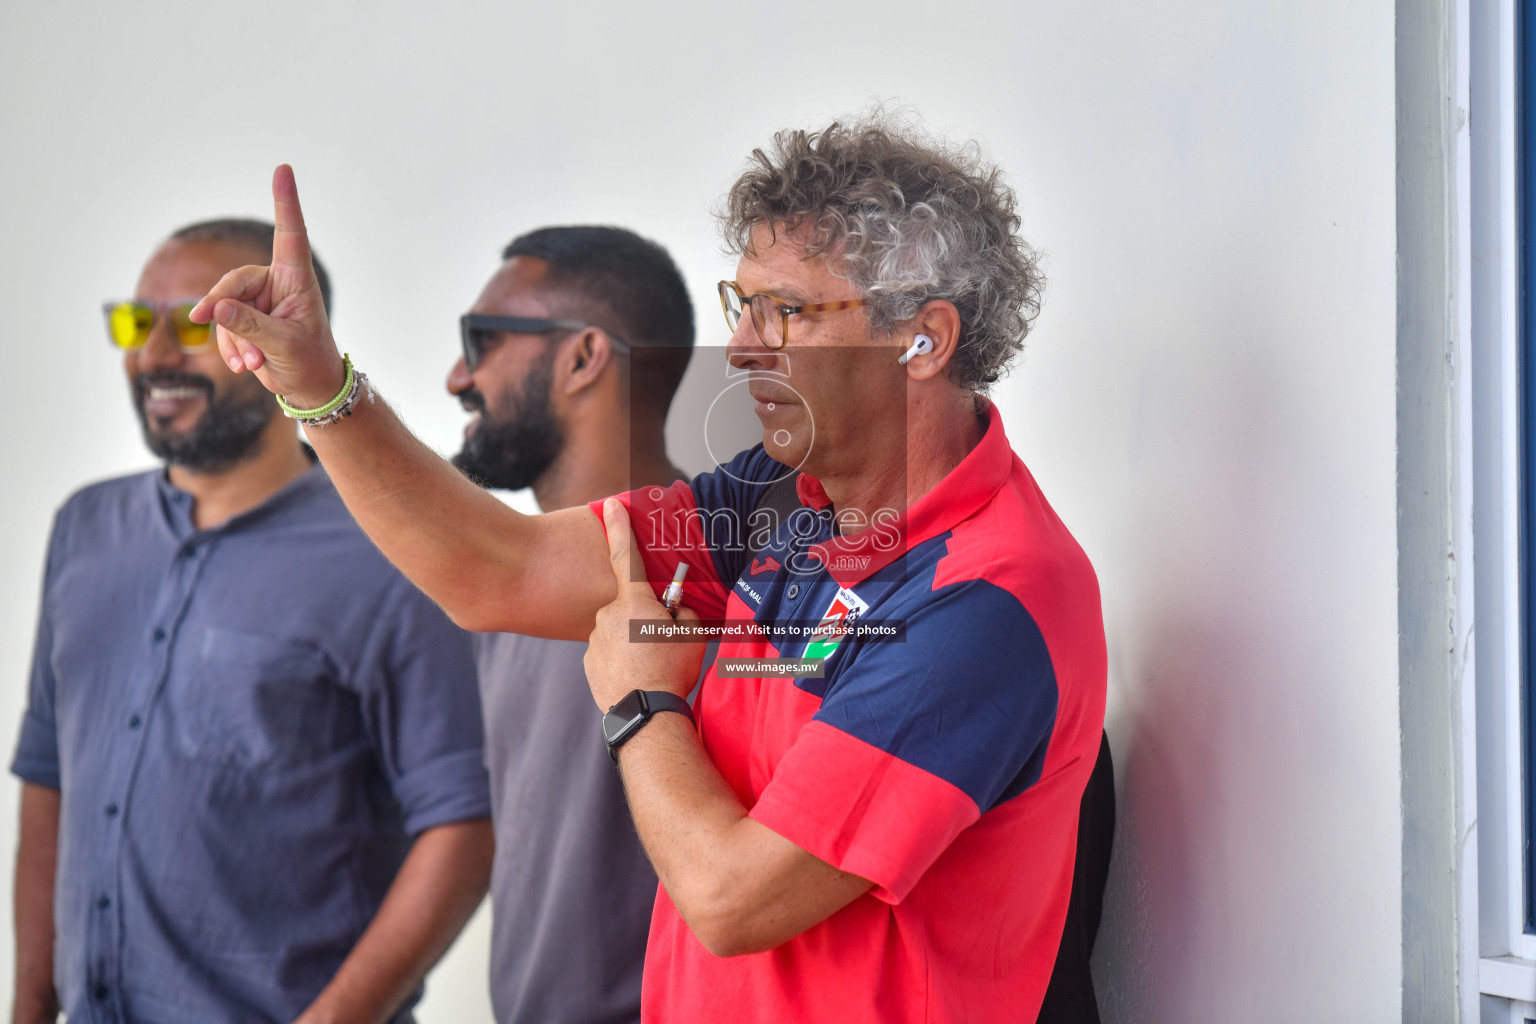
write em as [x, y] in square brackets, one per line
[624, 717]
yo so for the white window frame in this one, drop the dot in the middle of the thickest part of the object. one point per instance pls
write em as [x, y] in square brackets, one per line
[1488, 182]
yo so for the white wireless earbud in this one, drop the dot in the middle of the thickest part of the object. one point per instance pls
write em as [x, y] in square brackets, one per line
[921, 346]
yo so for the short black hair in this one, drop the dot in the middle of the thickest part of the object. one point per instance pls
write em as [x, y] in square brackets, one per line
[629, 285]
[257, 234]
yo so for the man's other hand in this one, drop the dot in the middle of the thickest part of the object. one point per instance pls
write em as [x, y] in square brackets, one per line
[614, 664]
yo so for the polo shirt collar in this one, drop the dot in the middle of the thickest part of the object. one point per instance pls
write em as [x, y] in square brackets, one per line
[963, 492]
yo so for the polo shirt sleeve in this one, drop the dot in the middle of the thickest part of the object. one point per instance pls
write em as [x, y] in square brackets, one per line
[421, 709]
[708, 522]
[37, 748]
[917, 739]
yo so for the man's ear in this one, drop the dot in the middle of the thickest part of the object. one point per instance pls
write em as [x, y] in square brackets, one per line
[940, 321]
[583, 358]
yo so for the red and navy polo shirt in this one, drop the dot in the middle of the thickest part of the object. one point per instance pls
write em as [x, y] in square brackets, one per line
[946, 767]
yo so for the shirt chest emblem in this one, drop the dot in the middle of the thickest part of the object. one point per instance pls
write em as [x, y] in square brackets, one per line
[835, 622]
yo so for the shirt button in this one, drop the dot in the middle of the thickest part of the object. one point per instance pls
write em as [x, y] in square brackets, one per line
[794, 591]
[134, 721]
[111, 810]
[159, 634]
[104, 902]
[101, 992]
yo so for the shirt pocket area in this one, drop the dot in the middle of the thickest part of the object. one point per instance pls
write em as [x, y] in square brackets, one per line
[258, 701]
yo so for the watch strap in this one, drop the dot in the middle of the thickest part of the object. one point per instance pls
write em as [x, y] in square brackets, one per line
[652, 703]
[665, 700]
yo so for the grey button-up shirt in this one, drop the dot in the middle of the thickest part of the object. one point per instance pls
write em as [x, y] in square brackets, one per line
[247, 725]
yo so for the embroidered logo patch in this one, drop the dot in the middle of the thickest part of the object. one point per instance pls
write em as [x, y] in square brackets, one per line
[838, 618]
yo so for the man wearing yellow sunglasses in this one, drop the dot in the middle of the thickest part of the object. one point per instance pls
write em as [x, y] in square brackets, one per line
[196, 415]
[251, 759]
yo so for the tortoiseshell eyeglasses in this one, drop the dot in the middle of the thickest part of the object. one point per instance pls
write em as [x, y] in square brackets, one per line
[770, 315]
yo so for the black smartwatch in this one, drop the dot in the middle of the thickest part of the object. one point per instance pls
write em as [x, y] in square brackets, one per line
[630, 714]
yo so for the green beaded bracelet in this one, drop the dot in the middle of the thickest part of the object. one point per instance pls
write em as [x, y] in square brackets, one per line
[328, 407]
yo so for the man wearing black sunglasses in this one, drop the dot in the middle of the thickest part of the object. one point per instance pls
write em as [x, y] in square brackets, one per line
[571, 356]
[252, 772]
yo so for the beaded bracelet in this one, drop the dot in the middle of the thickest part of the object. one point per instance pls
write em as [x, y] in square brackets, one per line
[360, 386]
[338, 408]
[329, 407]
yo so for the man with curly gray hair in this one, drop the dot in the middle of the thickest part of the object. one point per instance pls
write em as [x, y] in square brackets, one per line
[874, 817]
[908, 221]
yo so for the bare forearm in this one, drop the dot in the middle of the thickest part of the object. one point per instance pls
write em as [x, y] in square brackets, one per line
[437, 889]
[683, 809]
[740, 887]
[36, 859]
[488, 566]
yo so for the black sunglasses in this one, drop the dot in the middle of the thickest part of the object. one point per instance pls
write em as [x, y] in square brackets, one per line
[475, 329]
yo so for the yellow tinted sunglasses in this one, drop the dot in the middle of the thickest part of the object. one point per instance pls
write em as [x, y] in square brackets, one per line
[129, 323]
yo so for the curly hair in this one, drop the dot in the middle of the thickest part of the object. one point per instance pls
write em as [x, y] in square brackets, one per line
[908, 219]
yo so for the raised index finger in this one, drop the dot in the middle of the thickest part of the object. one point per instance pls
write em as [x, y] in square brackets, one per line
[290, 245]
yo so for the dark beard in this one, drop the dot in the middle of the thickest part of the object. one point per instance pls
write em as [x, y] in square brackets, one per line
[228, 431]
[514, 453]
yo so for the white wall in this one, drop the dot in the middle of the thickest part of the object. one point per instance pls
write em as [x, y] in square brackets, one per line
[1208, 398]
